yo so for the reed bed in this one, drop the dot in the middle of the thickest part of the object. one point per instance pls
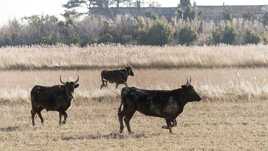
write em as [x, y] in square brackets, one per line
[228, 85]
[110, 56]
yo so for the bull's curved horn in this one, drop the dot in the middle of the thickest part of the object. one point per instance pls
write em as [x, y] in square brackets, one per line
[190, 81]
[76, 81]
[129, 65]
[61, 81]
[187, 81]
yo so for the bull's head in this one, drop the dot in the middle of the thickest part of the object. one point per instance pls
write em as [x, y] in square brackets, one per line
[129, 71]
[70, 85]
[190, 93]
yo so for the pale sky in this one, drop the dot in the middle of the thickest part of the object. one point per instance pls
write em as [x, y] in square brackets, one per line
[19, 8]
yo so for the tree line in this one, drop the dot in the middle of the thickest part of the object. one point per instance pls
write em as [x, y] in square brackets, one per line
[187, 28]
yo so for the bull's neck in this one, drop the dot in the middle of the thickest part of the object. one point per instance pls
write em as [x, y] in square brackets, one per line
[68, 93]
[182, 97]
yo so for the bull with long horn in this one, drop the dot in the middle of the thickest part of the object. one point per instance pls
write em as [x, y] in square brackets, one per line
[53, 98]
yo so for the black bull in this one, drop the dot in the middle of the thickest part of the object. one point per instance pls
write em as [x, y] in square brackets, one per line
[54, 98]
[116, 76]
[167, 104]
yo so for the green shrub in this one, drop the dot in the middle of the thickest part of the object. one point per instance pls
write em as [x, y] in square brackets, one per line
[49, 40]
[158, 34]
[265, 19]
[226, 36]
[124, 39]
[106, 38]
[120, 37]
[216, 36]
[85, 40]
[251, 38]
[150, 30]
[186, 36]
[229, 35]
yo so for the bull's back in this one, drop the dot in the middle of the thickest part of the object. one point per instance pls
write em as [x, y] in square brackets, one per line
[116, 76]
[49, 98]
[147, 95]
[36, 90]
[107, 75]
[149, 102]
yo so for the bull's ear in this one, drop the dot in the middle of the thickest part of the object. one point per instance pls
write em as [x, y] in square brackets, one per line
[76, 86]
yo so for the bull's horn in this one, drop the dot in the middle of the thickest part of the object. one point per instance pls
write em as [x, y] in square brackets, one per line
[187, 81]
[61, 81]
[77, 80]
[190, 80]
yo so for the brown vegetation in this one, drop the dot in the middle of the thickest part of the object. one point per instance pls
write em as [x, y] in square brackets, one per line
[232, 115]
[102, 56]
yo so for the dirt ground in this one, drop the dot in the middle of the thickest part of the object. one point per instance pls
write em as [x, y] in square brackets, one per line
[222, 125]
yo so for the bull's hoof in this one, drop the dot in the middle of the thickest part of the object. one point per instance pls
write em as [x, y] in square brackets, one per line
[121, 130]
[102, 86]
[165, 127]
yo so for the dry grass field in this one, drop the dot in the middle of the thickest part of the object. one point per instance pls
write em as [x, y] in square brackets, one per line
[94, 57]
[232, 116]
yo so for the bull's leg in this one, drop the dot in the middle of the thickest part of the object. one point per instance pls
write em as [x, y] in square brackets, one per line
[104, 84]
[60, 118]
[40, 116]
[33, 115]
[165, 126]
[174, 123]
[116, 85]
[65, 115]
[127, 119]
[169, 125]
[120, 118]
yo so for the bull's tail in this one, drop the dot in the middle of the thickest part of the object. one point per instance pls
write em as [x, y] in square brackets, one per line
[102, 80]
[33, 95]
[123, 99]
[122, 108]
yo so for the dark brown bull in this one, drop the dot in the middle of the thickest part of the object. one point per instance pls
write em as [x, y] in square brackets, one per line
[116, 76]
[167, 104]
[54, 98]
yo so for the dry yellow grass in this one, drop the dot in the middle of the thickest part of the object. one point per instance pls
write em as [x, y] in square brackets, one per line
[245, 84]
[233, 115]
[93, 126]
[228, 120]
[139, 56]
